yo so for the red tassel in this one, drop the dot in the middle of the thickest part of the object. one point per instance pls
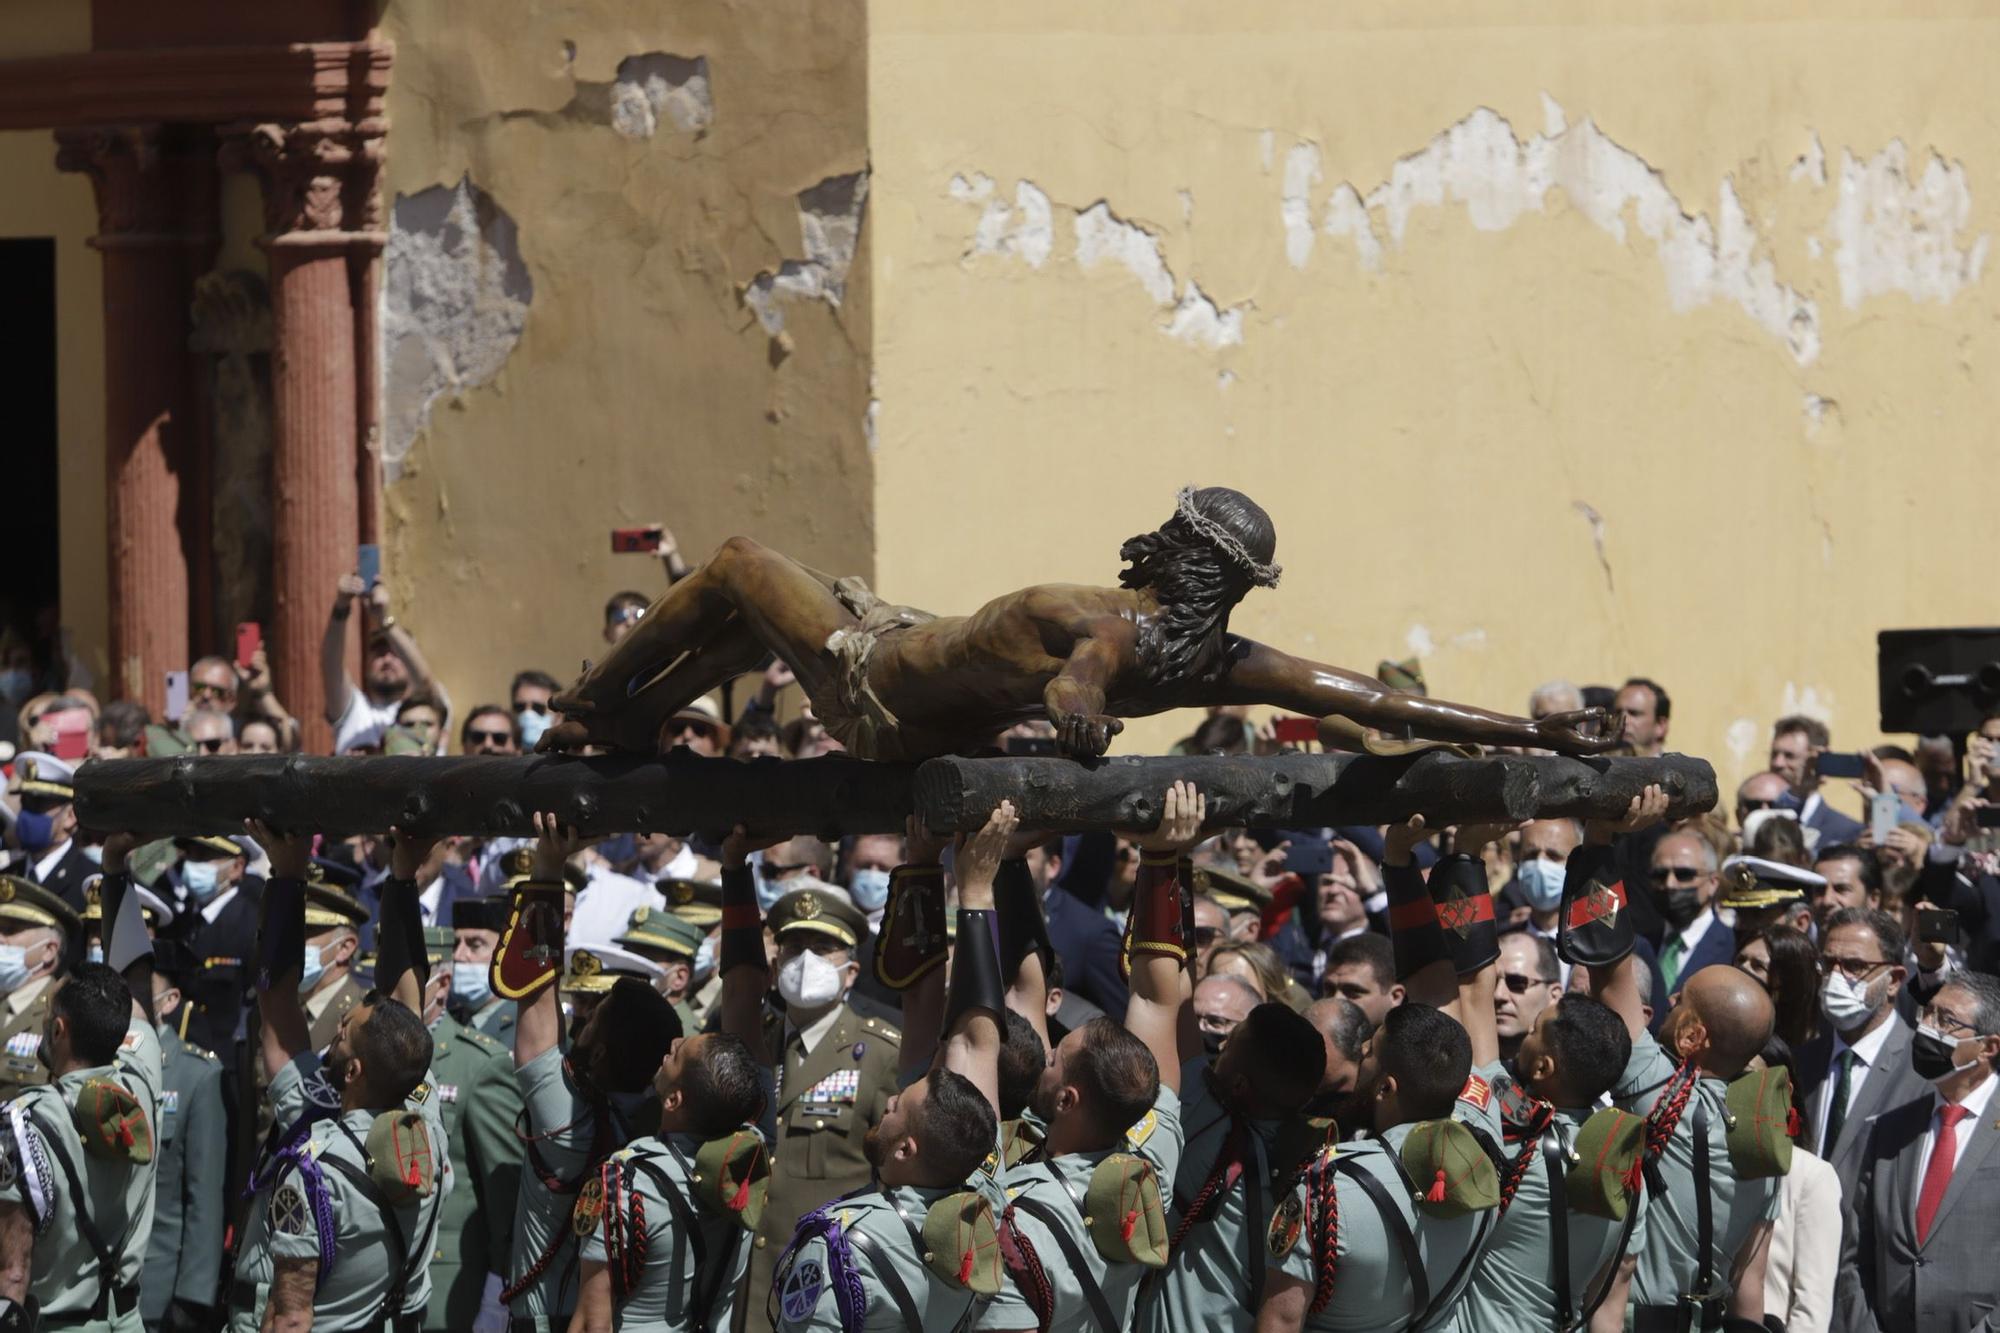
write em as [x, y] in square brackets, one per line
[125, 1133]
[741, 1199]
[1437, 1188]
[411, 1176]
[965, 1269]
[1792, 1123]
[1128, 1226]
[1635, 1175]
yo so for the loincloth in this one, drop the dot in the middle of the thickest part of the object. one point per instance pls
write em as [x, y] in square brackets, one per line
[854, 714]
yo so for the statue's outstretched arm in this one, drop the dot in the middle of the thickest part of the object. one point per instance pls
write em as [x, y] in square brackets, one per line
[1075, 698]
[1259, 674]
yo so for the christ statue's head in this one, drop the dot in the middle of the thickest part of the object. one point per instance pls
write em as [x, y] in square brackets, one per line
[1199, 563]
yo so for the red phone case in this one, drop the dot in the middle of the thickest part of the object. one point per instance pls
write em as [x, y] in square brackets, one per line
[249, 638]
[1295, 730]
[626, 541]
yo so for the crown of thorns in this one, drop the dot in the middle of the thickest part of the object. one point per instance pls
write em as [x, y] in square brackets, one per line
[1224, 541]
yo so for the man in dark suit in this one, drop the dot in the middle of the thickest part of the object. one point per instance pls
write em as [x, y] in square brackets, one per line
[45, 828]
[1684, 883]
[1082, 936]
[216, 918]
[1861, 1067]
[1917, 1248]
[1797, 742]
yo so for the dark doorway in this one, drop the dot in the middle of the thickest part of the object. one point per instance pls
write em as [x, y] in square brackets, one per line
[32, 590]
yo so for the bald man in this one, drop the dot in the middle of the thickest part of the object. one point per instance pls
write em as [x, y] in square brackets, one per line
[1221, 1003]
[1762, 791]
[1721, 1023]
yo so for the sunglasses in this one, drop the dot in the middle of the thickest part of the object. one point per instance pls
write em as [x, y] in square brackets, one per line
[1678, 874]
[211, 746]
[202, 687]
[532, 708]
[1206, 935]
[489, 737]
[1518, 984]
[1751, 806]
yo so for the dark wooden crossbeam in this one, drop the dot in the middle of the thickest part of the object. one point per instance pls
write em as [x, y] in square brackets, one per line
[680, 794]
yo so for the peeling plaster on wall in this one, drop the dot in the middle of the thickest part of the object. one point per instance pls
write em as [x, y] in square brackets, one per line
[1347, 216]
[1893, 234]
[1478, 162]
[1816, 409]
[830, 216]
[1810, 166]
[1741, 739]
[1267, 147]
[454, 303]
[1806, 700]
[1596, 521]
[1418, 641]
[656, 86]
[1187, 207]
[1295, 207]
[1026, 230]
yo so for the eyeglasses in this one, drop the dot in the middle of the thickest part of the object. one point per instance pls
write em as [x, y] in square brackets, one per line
[489, 737]
[676, 730]
[541, 707]
[211, 746]
[1206, 935]
[209, 687]
[1854, 969]
[1678, 874]
[1518, 984]
[627, 615]
[1951, 1025]
[1747, 806]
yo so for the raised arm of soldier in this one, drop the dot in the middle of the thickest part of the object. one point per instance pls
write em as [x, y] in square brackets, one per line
[1161, 982]
[744, 965]
[923, 999]
[284, 1033]
[1615, 983]
[538, 1025]
[971, 1044]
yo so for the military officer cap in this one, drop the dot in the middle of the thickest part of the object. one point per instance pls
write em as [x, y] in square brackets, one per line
[327, 907]
[695, 900]
[1229, 890]
[212, 847]
[164, 742]
[340, 874]
[1751, 882]
[438, 944]
[24, 903]
[650, 928]
[820, 910]
[479, 913]
[44, 776]
[595, 969]
[155, 907]
[1406, 675]
[518, 865]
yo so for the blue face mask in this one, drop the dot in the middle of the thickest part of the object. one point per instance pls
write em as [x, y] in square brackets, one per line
[532, 725]
[201, 879]
[13, 968]
[314, 969]
[704, 958]
[34, 830]
[1542, 882]
[472, 983]
[768, 892]
[95, 953]
[869, 887]
[15, 683]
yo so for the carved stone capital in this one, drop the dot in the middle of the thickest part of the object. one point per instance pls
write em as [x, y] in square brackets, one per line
[322, 179]
[128, 170]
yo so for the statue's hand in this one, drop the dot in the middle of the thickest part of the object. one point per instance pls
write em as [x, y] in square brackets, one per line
[1585, 731]
[565, 736]
[1085, 735]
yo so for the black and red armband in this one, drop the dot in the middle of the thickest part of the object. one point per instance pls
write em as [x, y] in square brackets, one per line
[912, 941]
[742, 922]
[1161, 918]
[1593, 928]
[1414, 933]
[1465, 912]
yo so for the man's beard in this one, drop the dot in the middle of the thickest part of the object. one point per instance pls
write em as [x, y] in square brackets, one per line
[871, 1148]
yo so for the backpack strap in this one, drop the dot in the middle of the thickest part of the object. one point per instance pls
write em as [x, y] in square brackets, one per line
[1555, 1155]
[885, 1268]
[1079, 1264]
[406, 1263]
[1399, 1231]
[1701, 1299]
[107, 1256]
[708, 1278]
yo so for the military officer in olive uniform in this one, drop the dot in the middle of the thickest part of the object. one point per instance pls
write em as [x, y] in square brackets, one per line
[672, 942]
[36, 929]
[836, 1072]
[476, 924]
[479, 1101]
[699, 902]
[181, 1282]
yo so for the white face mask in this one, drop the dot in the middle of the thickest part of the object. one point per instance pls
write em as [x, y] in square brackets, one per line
[1847, 1004]
[808, 981]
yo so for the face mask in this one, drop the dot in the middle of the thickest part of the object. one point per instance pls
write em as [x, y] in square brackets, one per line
[472, 983]
[15, 682]
[314, 969]
[769, 891]
[201, 878]
[1847, 1004]
[704, 958]
[13, 967]
[1679, 906]
[532, 725]
[1211, 1042]
[34, 830]
[1931, 1055]
[95, 953]
[1542, 882]
[807, 981]
[94, 855]
[869, 887]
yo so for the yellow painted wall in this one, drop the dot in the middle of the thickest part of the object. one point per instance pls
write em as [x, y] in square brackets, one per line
[1433, 435]
[41, 201]
[641, 388]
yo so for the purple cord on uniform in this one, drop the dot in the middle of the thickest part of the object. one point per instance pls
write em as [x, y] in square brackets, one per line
[842, 1274]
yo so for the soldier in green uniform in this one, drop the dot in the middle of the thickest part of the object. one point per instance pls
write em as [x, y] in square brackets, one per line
[699, 901]
[35, 929]
[350, 1189]
[921, 1249]
[334, 918]
[835, 1071]
[672, 942]
[476, 924]
[479, 1104]
[181, 1284]
[83, 1153]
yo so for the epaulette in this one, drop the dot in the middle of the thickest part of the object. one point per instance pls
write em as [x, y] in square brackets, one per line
[879, 1030]
[203, 1052]
[484, 1042]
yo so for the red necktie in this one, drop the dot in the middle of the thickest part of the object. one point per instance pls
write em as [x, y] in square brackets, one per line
[1937, 1175]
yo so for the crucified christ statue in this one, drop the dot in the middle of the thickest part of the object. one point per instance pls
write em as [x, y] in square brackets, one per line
[895, 683]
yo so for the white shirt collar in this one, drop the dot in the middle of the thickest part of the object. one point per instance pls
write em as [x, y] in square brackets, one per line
[816, 1032]
[1691, 937]
[213, 907]
[1868, 1047]
[46, 866]
[1976, 1102]
[428, 900]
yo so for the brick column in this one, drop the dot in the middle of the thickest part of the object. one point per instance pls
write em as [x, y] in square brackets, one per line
[321, 206]
[155, 228]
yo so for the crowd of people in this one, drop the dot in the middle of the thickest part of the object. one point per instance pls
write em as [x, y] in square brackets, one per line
[1727, 1071]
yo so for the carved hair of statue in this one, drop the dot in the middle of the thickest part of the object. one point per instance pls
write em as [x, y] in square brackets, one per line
[1200, 563]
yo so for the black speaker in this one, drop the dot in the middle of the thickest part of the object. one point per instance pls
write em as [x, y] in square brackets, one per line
[1937, 681]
